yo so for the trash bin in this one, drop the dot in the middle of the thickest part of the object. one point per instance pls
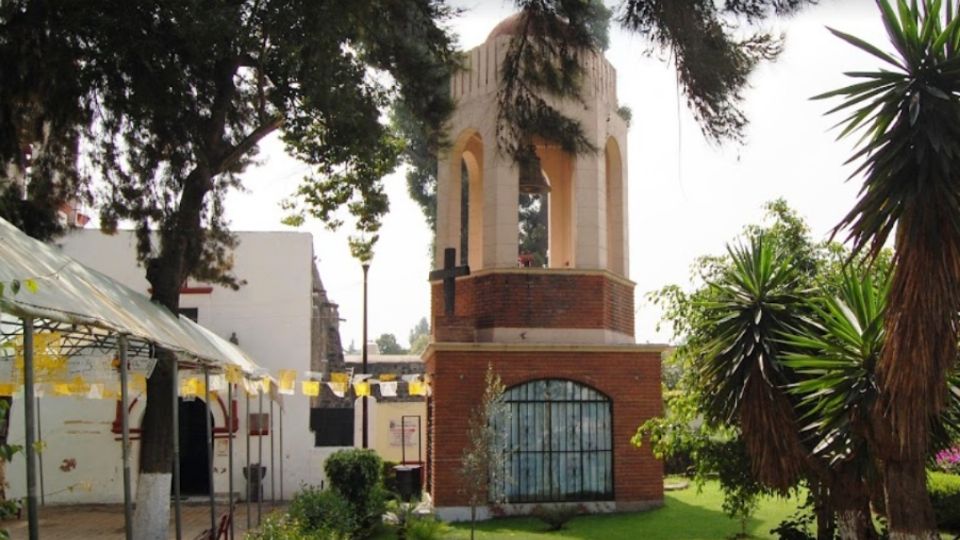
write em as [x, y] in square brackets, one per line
[408, 481]
[254, 481]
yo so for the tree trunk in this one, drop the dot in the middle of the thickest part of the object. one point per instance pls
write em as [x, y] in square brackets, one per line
[823, 508]
[4, 430]
[179, 251]
[909, 512]
[851, 502]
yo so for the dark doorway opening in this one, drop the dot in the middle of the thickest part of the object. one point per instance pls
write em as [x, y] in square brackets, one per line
[194, 461]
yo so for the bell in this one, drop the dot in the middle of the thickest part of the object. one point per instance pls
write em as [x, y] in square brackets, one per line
[532, 180]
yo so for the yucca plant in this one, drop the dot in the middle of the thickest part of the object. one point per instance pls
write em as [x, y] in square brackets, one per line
[752, 302]
[835, 356]
[908, 115]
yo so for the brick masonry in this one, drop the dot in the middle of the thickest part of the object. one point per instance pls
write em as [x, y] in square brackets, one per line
[630, 376]
[594, 300]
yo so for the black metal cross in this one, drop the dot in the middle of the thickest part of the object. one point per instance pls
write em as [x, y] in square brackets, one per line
[448, 273]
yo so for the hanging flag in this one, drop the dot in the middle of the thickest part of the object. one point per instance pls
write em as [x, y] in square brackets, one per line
[416, 388]
[79, 387]
[310, 388]
[234, 374]
[361, 388]
[339, 389]
[358, 377]
[388, 388]
[138, 383]
[7, 390]
[192, 386]
[250, 387]
[218, 383]
[339, 377]
[95, 391]
[411, 377]
[265, 385]
[313, 375]
[388, 377]
[287, 382]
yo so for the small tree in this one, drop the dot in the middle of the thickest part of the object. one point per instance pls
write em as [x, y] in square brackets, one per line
[388, 344]
[483, 464]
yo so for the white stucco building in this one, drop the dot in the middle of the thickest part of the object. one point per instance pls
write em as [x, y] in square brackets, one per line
[275, 318]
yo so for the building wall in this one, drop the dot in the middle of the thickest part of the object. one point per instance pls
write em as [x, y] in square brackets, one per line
[271, 315]
[630, 376]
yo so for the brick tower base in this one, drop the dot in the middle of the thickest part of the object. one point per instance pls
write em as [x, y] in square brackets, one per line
[628, 374]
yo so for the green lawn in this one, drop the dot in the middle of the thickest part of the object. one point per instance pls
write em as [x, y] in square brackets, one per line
[686, 515]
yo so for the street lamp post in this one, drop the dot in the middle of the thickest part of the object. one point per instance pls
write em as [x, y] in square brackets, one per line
[366, 268]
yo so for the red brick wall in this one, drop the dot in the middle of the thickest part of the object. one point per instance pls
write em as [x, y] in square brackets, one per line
[525, 299]
[630, 378]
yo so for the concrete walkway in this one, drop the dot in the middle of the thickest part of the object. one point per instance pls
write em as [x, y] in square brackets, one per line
[105, 521]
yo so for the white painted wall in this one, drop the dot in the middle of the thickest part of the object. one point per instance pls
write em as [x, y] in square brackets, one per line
[271, 317]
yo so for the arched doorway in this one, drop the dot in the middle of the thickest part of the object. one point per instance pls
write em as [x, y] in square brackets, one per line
[194, 460]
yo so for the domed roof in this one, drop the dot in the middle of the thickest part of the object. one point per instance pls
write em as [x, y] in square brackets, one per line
[507, 27]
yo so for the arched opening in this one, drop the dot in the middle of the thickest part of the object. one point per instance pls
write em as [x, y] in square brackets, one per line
[559, 443]
[464, 199]
[546, 219]
[194, 460]
[615, 202]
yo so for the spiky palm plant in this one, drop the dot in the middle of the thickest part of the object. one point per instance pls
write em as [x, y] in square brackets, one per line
[909, 117]
[834, 356]
[752, 303]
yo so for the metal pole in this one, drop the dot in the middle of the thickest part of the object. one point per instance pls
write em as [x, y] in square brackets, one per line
[28, 405]
[125, 439]
[230, 421]
[249, 475]
[259, 454]
[281, 453]
[175, 416]
[403, 440]
[366, 268]
[43, 501]
[273, 466]
[209, 423]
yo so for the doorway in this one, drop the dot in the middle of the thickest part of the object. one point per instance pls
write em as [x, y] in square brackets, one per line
[194, 461]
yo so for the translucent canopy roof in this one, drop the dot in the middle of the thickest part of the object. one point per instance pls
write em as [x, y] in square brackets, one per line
[92, 308]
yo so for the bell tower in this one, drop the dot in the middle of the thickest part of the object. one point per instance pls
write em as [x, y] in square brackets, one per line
[532, 279]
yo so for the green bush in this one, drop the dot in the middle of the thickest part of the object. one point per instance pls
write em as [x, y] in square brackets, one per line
[426, 528]
[390, 479]
[323, 510]
[358, 476]
[944, 492]
[286, 527]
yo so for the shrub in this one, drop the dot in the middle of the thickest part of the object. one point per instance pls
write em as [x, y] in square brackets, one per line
[358, 475]
[323, 510]
[390, 479]
[944, 492]
[556, 516]
[286, 527]
[426, 528]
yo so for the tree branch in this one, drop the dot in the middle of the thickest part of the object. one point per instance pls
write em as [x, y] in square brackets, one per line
[248, 142]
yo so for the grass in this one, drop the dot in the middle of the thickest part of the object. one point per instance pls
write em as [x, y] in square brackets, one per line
[686, 515]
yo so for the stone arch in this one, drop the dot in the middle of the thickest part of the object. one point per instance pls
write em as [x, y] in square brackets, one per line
[466, 157]
[615, 214]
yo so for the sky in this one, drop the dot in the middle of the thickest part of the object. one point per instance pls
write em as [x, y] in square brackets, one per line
[687, 197]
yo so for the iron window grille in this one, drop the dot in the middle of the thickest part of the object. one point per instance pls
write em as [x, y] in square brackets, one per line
[558, 443]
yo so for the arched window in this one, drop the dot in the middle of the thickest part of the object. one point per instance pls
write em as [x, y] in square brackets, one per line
[559, 443]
